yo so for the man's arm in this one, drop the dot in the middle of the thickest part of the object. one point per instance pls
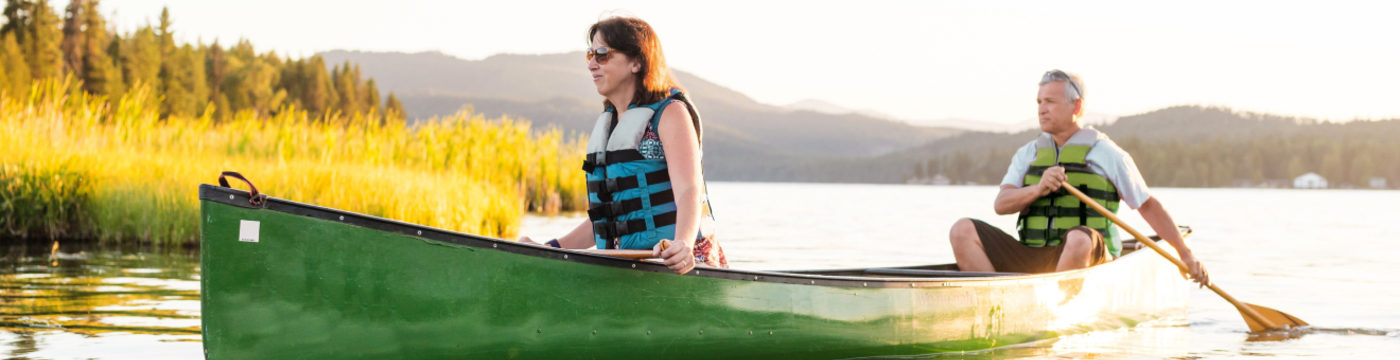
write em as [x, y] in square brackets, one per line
[1161, 222]
[1012, 200]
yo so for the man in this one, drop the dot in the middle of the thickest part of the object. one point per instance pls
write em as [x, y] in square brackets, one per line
[1057, 232]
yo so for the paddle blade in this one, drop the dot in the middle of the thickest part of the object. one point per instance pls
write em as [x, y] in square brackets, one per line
[1279, 318]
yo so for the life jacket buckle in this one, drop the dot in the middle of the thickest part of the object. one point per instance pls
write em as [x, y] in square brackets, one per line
[616, 209]
[611, 185]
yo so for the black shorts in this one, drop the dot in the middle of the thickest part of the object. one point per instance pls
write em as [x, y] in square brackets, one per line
[1010, 255]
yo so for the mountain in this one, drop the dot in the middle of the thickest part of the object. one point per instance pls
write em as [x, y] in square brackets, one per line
[555, 89]
[1175, 146]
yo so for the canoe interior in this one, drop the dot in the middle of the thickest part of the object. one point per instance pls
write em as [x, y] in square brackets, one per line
[323, 283]
[943, 270]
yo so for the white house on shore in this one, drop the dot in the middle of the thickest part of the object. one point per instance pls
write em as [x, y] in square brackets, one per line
[1310, 181]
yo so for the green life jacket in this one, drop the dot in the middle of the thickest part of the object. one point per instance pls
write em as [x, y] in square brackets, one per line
[1047, 219]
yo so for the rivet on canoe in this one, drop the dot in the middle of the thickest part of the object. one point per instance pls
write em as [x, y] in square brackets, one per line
[634, 266]
[566, 256]
[420, 232]
[814, 282]
[864, 284]
[342, 218]
[230, 197]
[755, 278]
[493, 245]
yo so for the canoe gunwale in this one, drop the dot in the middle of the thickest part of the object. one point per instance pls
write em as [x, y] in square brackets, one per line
[240, 198]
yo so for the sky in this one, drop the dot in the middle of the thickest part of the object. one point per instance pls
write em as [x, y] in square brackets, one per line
[1333, 60]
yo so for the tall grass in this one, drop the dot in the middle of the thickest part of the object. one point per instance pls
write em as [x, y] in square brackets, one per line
[128, 175]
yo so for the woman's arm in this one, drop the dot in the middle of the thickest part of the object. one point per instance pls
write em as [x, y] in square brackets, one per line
[682, 148]
[581, 237]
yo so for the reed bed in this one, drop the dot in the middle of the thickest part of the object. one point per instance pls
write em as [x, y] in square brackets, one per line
[79, 166]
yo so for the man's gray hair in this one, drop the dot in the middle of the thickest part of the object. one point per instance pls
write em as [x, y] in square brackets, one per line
[1074, 86]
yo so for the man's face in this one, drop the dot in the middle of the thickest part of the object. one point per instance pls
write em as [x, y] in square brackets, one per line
[1056, 114]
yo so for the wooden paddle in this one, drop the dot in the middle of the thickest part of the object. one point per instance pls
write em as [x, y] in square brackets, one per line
[630, 254]
[1258, 318]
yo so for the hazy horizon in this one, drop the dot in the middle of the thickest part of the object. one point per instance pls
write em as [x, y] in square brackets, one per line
[913, 61]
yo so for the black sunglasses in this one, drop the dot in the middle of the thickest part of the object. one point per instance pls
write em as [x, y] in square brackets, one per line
[600, 53]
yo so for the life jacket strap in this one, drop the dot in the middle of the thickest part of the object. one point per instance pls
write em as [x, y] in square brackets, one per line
[1069, 168]
[615, 185]
[617, 229]
[608, 210]
[1032, 236]
[595, 160]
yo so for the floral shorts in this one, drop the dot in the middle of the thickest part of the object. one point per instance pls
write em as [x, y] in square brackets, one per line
[708, 252]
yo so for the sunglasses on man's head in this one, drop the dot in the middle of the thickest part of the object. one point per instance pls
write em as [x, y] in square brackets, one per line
[600, 53]
[1058, 75]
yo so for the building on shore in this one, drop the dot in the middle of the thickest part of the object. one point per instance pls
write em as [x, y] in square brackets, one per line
[1310, 181]
[1378, 183]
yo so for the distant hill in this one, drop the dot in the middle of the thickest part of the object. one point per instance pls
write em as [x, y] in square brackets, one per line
[555, 89]
[1181, 146]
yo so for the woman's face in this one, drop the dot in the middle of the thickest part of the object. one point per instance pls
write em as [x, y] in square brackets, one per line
[617, 76]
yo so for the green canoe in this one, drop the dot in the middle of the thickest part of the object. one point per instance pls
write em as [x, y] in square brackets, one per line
[285, 280]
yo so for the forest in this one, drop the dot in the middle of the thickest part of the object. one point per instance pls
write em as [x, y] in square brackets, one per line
[39, 43]
[1191, 146]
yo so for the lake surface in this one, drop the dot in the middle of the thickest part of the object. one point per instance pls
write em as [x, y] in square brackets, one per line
[1326, 256]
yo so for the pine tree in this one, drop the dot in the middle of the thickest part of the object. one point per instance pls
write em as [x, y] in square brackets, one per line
[140, 58]
[74, 44]
[17, 71]
[41, 42]
[99, 73]
[346, 79]
[393, 109]
[216, 70]
[172, 72]
[372, 92]
[184, 80]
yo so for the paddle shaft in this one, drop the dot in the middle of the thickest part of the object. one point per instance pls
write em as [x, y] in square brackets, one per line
[631, 254]
[1248, 311]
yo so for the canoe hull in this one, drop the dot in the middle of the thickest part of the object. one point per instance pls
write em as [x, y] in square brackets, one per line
[315, 286]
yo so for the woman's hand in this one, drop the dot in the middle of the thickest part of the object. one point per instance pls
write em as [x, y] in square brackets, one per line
[526, 240]
[679, 256]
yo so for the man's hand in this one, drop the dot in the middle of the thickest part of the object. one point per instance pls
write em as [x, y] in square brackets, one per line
[1052, 180]
[1198, 271]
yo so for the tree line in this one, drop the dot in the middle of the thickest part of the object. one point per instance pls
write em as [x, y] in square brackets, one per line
[1348, 155]
[38, 43]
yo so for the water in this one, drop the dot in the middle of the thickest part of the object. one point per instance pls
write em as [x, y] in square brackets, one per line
[1325, 256]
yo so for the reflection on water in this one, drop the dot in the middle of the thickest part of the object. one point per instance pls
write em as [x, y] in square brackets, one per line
[80, 301]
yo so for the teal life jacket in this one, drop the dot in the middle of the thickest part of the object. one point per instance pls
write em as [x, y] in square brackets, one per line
[1048, 218]
[630, 200]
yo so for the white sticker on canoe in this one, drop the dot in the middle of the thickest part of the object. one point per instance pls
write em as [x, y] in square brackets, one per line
[248, 231]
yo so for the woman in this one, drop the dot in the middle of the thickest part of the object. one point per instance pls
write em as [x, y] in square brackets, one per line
[643, 163]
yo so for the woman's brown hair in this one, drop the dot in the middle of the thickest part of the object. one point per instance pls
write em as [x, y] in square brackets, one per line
[634, 38]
